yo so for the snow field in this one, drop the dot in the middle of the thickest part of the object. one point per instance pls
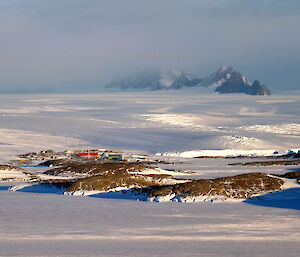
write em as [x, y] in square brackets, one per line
[38, 224]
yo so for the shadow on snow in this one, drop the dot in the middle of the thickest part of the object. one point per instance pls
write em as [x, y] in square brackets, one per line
[294, 169]
[4, 188]
[41, 189]
[130, 194]
[286, 199]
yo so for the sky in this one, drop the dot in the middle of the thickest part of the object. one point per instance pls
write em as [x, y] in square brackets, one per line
[75, 44]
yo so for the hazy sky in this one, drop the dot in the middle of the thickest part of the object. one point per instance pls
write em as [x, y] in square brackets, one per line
[75, 43]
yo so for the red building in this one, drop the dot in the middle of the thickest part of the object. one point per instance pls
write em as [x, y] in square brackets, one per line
[89, 155]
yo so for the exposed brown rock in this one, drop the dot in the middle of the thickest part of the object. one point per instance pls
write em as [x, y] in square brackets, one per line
[115, 179]
[238, 187]
[59, 162]
[267, 163]
[292, 175]
[106, 177]
[9, 167]
[95, 168]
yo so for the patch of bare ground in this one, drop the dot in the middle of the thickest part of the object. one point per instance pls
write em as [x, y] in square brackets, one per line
[58, 162]
[58, 183]
[9, 167]
[119, 179]
[95, 168]
[106, 177]
[13, 173]
[235, 187]
[292, 175]
[267, 163]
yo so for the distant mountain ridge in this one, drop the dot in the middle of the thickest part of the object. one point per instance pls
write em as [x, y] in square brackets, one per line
[224, 80]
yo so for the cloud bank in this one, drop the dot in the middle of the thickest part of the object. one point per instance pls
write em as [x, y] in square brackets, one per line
[46, 45]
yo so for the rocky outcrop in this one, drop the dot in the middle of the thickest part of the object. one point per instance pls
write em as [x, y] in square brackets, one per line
[267, 163]
[135, 179]
[58, 162]
[9, 167]
[160, 187]
[117, 180]
[292, 175]
[12, 173]
[235, 187]
[95, 168]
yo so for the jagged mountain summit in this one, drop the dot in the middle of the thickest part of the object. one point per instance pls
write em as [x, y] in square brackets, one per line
[156, 80]
[224, 80]
[217, 78]
[237, 83]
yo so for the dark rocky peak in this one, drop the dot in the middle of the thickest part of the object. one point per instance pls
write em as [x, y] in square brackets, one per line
[236, 76]
[258, 89]
[185, 80]
[218, 77]
[237, 83]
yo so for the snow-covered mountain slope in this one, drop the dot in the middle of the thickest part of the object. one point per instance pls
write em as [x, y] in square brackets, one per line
[217, 78]
[237, 83]
[155, 80]
[224, 80]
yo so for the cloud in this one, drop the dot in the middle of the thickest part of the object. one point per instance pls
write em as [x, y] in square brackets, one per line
[65, 43]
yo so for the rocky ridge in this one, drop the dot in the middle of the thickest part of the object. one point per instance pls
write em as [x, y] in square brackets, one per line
[149, 183]
[224, 80]
[234, 187]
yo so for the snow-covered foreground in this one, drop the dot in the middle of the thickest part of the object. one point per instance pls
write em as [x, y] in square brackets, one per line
[53, 225]
[40, 221]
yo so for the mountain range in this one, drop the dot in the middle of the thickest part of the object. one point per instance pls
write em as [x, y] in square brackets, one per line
[224, 80]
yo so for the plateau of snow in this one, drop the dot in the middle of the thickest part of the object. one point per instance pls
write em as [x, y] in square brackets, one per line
[222, 153]
[175, 121]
